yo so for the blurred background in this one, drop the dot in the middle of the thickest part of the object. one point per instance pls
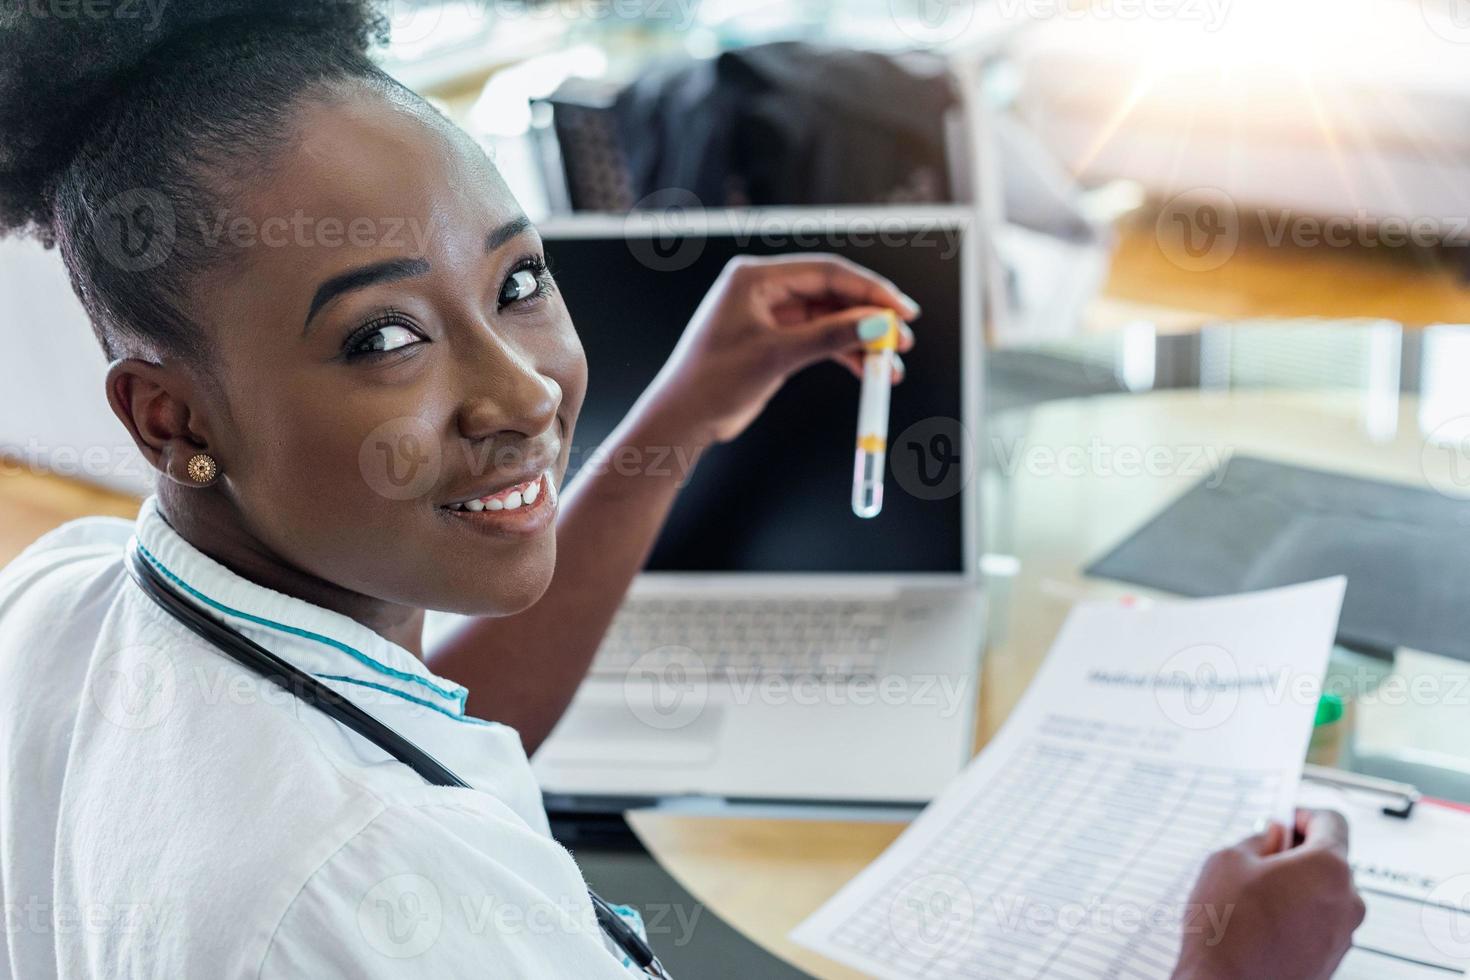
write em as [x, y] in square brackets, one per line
[1214, 227]
[1148, 170]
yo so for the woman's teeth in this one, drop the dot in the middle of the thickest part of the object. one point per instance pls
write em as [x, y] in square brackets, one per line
[524, 494]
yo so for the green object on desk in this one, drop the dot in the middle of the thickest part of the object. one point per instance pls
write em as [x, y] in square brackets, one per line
[1329, 710]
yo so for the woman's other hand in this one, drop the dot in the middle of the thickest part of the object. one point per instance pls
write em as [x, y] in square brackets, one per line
[763, 320]
[1262, 909]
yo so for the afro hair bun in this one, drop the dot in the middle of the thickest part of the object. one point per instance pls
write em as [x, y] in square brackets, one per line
[63, 62]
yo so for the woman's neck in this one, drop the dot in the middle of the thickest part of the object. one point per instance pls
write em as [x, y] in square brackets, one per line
[210, 523]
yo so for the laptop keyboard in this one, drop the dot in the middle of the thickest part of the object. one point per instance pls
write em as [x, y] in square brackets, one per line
[742, 639]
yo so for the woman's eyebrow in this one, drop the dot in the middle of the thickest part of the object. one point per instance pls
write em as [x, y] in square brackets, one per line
[393, 269]
[506, 232]
[362, 277]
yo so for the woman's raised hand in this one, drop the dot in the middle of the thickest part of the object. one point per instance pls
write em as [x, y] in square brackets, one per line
[763, 320]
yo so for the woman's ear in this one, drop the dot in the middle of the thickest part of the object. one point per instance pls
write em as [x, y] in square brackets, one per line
[153, 402]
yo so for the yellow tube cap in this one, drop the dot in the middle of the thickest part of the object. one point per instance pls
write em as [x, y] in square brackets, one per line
[879, 331]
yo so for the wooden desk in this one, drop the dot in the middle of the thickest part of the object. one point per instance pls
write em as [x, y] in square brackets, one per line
[765, 876]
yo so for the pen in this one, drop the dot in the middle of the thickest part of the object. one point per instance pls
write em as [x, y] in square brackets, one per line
[879, 334]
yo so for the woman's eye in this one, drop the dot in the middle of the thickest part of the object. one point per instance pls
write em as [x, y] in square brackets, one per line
[385, 338]
[522, 284]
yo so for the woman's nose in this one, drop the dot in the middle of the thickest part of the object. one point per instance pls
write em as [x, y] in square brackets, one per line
[507, 394]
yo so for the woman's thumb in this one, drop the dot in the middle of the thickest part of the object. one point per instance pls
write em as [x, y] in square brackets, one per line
[832, 333]
[1267, 840]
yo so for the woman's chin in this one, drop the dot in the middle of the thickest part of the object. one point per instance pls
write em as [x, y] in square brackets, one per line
[509, 595]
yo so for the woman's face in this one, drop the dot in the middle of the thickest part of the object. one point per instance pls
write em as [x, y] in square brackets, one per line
[387, 349]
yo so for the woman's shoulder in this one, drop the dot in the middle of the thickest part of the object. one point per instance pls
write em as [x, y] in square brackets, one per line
[76, 545]
[84, 532]
[65, 577]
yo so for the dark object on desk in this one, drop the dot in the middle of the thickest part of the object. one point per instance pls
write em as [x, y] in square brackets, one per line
[1261, 524]
[787, 123]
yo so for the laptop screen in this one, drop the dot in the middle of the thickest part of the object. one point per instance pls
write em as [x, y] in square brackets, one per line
[778, 498]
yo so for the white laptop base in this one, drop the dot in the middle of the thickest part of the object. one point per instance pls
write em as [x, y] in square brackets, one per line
[801, 721]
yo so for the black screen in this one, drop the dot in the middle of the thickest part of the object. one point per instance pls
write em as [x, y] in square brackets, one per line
[777, 499]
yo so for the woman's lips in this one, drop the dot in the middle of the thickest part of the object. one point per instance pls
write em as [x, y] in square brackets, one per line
[524, 508]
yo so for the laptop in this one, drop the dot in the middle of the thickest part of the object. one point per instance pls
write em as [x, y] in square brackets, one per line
[778, 647]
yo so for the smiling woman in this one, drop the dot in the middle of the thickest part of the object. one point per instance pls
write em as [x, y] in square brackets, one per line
[335, 338]
[333, 335]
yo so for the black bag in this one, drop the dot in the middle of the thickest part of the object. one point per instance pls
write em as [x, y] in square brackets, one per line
[789, 123]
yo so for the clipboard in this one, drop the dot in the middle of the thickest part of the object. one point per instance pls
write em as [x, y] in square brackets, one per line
[1400, 798]
[1411, 865]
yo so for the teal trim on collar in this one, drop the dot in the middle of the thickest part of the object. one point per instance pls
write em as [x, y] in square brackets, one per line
[458, 694]
[468, 719]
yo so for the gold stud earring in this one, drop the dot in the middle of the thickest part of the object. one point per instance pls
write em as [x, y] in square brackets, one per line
[202, 468]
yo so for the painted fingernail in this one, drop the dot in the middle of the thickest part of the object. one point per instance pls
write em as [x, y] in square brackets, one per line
[899, 366]
[870, 328]
[1261, 826]
[913, 304]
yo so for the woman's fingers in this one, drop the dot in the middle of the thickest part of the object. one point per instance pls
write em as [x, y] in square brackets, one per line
[1265, 842]
[815, 278]
[826, 336]
[1324, 830]
[835, 335]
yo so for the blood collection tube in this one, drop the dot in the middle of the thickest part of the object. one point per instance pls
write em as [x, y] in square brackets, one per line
[880, 344]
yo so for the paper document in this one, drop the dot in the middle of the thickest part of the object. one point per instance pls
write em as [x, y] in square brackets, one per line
[1151, 736]
[1414, 876]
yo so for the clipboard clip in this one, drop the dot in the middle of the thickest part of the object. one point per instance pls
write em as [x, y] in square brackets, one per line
[1401, 796]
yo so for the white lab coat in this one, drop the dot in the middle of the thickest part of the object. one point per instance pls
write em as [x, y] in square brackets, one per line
[164, 813]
